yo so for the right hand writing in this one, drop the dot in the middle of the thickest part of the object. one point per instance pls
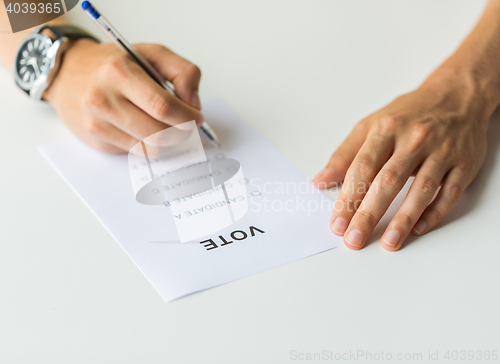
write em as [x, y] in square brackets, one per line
[110, 102]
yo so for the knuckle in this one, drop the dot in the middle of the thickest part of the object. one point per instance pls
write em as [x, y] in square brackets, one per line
[454, 191]
[89, 97]
[406, 220]
[426, 185]
[363, 166]
[93, 127]
[390, 179]
[341, 160]
[367, 217]
[446, 149]
[436, 214]
[388, 124]
[420, 134]
[114, 66]
[193, 70]
[95, 99]
[345, 203]
[466, 166]
[160, 107]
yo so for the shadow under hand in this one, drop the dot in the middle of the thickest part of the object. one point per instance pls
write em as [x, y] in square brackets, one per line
[471, 197]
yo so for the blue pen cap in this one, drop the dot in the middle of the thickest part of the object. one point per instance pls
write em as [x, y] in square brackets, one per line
[87, 6]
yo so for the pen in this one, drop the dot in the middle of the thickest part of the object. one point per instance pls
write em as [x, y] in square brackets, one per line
[121, 42]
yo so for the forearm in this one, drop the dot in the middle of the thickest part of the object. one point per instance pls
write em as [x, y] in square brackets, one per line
[476, 63]
[9, 42]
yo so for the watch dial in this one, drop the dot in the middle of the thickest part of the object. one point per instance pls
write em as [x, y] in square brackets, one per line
[32, 60]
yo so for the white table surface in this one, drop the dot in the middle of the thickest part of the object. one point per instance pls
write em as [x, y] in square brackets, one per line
[302, 72]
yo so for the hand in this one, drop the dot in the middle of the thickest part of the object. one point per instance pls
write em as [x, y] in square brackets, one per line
[110, 102]
[437, 133]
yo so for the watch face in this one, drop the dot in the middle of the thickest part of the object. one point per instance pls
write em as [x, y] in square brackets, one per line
[32, 60]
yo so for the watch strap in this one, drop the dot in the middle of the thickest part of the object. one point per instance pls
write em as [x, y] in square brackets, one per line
[68, 31]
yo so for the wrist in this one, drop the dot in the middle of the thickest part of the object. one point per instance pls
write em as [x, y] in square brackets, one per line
[475, 66]
[69, 63]
[474, 87]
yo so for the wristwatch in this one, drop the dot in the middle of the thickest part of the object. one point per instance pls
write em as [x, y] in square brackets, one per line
[39, 57]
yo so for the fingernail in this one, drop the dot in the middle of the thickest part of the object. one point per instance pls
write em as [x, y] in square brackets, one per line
[392, 238]
[339, 226]
[195, 100]
[420, 227]
[200, 121]
[355, 238]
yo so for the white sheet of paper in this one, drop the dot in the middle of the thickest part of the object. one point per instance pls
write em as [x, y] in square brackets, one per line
[293, 215]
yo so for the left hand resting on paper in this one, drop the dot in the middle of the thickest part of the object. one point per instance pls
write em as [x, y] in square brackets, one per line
[437, 133]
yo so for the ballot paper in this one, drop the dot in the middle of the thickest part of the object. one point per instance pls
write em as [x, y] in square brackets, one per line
[277, 215]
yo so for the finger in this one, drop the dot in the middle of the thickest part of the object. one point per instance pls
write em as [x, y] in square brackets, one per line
[339, 163]
[102, 133]
[452, 188]
[140, 89]
[421, 192]
[141, 126]
[134, 121]
[183, 74]
[386, 185]
[367, 163]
